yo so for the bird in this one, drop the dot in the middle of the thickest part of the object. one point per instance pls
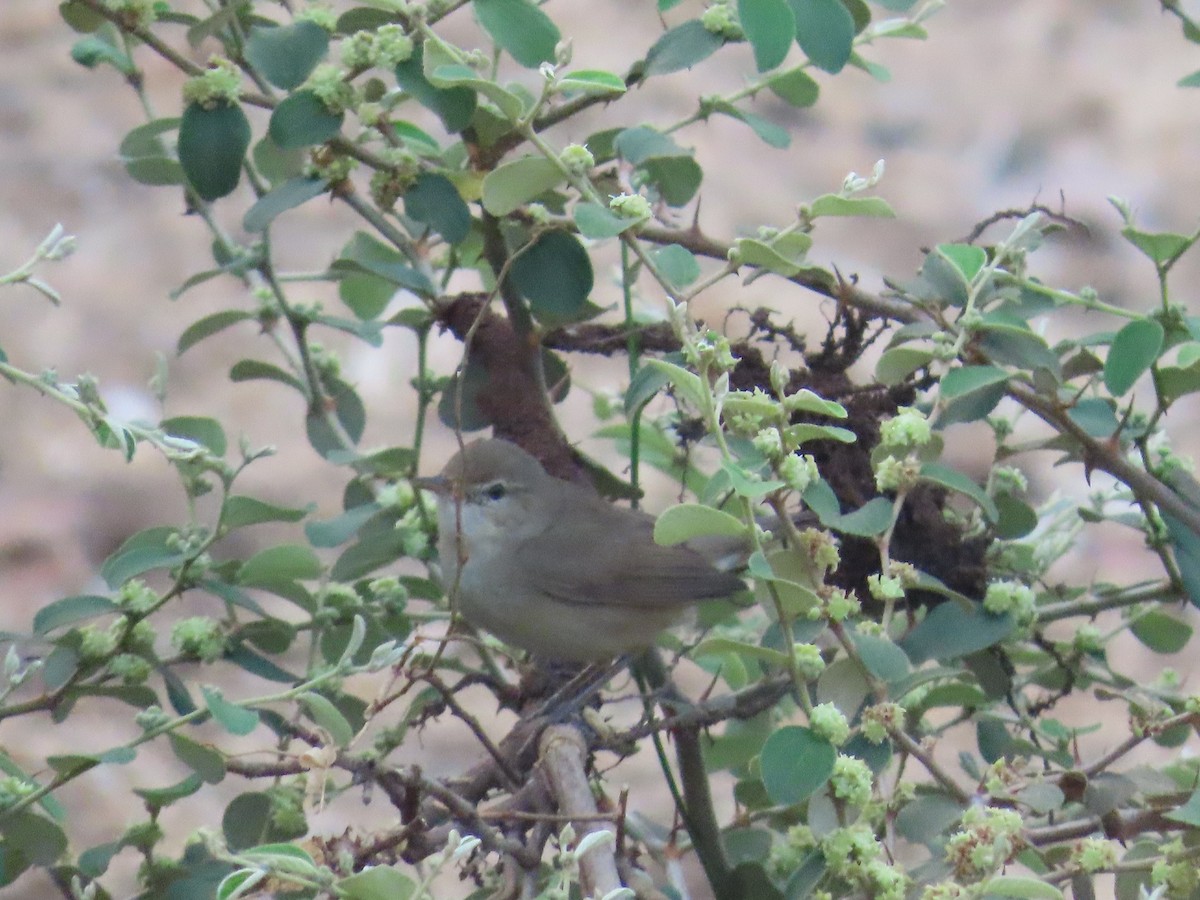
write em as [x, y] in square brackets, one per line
[552, 568]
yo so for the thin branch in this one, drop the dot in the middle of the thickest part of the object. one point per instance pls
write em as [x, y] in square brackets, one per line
[1100, 455]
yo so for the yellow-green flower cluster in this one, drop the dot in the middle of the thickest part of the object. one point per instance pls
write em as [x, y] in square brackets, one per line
[1010, 597]
[630, 206]
[319, 14]
[577, 158]
[130, 668]
[827, 721]
[721, 19]
[836, 607]
[879, 720]
[808, 660]
[853, 853]
[199, 637]
[1094, 855]
[219, 85]
[986, 840]
[134, 13]
[329, 84]
[851, 780]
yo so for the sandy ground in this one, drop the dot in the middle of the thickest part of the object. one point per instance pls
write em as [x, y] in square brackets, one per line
[1004, 104]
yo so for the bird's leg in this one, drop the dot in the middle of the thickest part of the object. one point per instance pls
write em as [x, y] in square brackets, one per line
[568, 699]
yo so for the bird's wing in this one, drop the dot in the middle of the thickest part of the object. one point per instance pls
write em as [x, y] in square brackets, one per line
[609, 557]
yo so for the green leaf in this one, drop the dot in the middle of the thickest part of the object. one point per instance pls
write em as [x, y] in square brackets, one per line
[896, 364]
[555, 275]
[247, 820]
[372, 552]
[521, 28]
[808, 401]
[287, 54]
[464, 390]
[957, 481]
[233, 718]
[336, 531]
[146, 550]
[157, 798]
[824, 31]
[204, 761]
[677, 264]
[81, 18]
[1021, 887]
[287, 562]
[686, 384]
[967, 259]
[1186, 546]
[156, 171]
[642, 143]
[363, 253]
[434, 201]
[719, 646]
[965, 380]
[288, 195]
[256, 370]
[783, 257]
[591, 81]
[796, 88]
[94, 861]
[681, 48]
[240, 511]
[1133, 351]
[1161, 632]
[689, 520]
[1192, 80]
[1188, 813]
[97, 49]
[769, 27]
[302, 120]
[597, 222]
[1160, 247]
[882, 658]
[200, 429]
[768, 132]
[514, 184]
[145, 142]
[869, 520]
[70, 610]
[951, 631]
[366, 295]
[835, 205]
[322, 711]
[208, 326]
[376, 883]
[444, 70]
[795, 763]
[35, 838]
[675, 178]
[1095, 416]
[455, 106]
[212, 146]
[1017, 518]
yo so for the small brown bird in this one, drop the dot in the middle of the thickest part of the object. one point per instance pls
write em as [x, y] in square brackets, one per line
[552, 568]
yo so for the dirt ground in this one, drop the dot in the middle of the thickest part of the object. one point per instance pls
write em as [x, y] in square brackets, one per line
[1059, 101]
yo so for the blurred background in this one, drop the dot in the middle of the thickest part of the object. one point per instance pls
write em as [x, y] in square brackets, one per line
[1061, 102]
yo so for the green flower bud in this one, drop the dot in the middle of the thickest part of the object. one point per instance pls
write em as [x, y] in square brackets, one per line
[220, 85]
[630, 206]
[577, 158]
[199, 637]
[828, 721]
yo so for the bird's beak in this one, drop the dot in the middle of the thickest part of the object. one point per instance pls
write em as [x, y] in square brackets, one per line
[438, 484]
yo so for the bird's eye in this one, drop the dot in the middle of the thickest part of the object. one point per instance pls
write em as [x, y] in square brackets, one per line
[495, 491]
